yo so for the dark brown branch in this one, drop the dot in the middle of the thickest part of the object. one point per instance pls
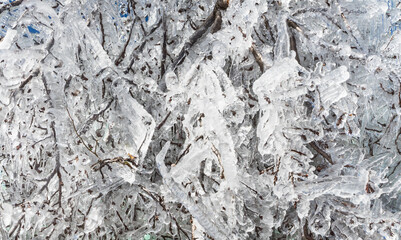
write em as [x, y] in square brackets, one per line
[183, 153]
[122, 54]
[163, 122]
[210, 20]
[11, 4]
[258, 58]
[26, 81]
[396, 140]
[217, 23]
[122, 221]
[218, 155]
[144, 139]
[94, 117]
[164, 49]
[395, 167]
[293, 43]
[79, 136]
[257, 34]
[17, 225]
[391, 91]
[349, 28]
[102, 29]
[321, 152]
[56, 149]
[309, 10]
[179, 228]
[268, 28]
[140, 48]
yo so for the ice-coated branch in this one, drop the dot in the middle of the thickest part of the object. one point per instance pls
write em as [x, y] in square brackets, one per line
[57, 167]
[214, 17]
[210, 227]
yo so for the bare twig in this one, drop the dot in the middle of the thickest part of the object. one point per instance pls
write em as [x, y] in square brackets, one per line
[217, 23]
[267, 26]
[183, 153]
[349, 29]
[294, 25]
[179, 228]
[18, 225]
[276, 172]
[122, 221]
[309, 10]
[193, 229]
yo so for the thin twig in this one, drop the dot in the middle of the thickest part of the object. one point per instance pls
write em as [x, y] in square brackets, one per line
[210, 20]
[122, 54]
[321, 152]
[35, 73]
[293, 43]
[218, 155]
[79, 136]
[139, 49]
[183, 153]
[258, 58]
[94, 117]
[163, 122]
[102, 29]
[122, 221]
[56, 149]
[17, 225]
[164, 49]
[11, 4]
[179, 228]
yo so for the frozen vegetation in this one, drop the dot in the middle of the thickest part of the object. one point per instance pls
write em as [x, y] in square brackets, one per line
[209, 119]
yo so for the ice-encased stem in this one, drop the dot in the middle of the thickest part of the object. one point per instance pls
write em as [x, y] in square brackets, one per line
[183, 198]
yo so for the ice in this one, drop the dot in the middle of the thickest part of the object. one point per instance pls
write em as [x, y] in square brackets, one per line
[268, 89]
[8, 39]
[200, 119]
[138, 120]
[93, 220]
[7, 213]
[193, 208]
